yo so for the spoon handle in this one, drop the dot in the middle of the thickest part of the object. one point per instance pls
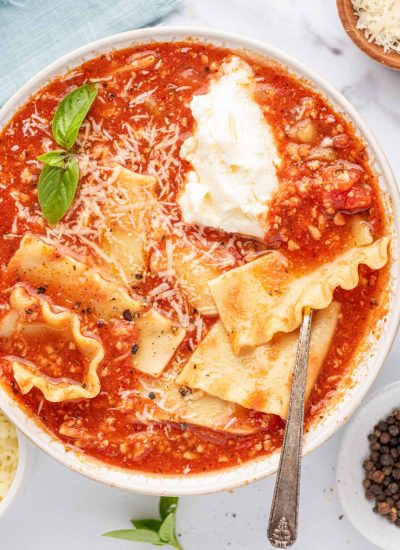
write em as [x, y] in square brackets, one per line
[282, 527]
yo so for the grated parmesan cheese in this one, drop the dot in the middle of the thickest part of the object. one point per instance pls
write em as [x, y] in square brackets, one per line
[380, 20]
[144, 143]
[8, 455]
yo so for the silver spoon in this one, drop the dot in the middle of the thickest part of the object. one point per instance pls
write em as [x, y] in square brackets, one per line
[282, 527]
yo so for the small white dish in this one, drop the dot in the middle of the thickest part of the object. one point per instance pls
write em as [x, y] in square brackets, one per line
[25, 460]
[353, 451]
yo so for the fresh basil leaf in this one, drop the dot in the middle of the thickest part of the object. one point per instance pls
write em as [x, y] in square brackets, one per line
[71, 113]
[154, 531]
[54, 158]
[56, 189]
[152, 524]
[168, 505]
[138, 535]
[167, 529]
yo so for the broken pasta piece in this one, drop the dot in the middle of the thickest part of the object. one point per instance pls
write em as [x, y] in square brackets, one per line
[31, 316]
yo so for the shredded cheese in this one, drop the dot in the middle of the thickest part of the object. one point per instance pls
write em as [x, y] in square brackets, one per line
[101, 151]
[380, 20]
[8, 455]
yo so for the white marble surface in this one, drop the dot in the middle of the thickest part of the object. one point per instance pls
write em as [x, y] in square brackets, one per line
[62, 510]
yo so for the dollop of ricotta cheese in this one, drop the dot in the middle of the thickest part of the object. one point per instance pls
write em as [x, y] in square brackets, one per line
[233, 156]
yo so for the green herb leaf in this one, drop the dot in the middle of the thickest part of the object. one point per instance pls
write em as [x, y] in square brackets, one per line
[56, 189]
[152, 524]
[168, 505]
[54, 158]
[60, 176]
[167, 529]
[71, 113]
[154, 531]
[138, 535]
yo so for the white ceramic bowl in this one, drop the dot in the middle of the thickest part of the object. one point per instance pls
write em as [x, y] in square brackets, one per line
[350, 474]
[368, 363]
[25, 458]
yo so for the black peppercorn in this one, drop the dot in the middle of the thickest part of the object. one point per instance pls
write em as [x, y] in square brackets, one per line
[386, 460]
[394, 430]
[378, 476]
[383, 508]
[374, 456]
[127, 315]
[375, 489]
[392, 488]
[368, 465]
[134, 349]
[385, 438]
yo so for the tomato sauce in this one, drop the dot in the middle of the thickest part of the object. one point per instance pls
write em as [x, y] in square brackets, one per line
[140, 119]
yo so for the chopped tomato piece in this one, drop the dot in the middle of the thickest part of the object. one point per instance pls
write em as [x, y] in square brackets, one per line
[359, 198]
[340, 178]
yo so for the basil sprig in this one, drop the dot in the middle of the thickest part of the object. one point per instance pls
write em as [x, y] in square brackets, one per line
[56, 189]
[54, 158]
[159, 532]
[71, 113]
[59, 177]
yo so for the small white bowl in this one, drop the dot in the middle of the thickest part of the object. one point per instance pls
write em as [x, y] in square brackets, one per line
[350, 474]
[25, 459]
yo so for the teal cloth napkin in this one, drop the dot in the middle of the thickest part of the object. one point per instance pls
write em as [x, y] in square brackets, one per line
[33, 33]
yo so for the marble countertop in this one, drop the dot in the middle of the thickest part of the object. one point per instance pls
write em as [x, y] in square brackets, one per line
[63, 510]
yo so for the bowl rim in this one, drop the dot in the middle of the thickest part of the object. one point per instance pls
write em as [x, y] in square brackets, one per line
[233, 477]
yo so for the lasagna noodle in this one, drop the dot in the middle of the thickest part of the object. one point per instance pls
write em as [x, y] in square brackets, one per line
[258, 379]
[360, 232]
[261, 298]
[192, 272]
[70, 281]
[128, 224]
[128, 231]
[46, 319]
[196, 407]
[159, 338]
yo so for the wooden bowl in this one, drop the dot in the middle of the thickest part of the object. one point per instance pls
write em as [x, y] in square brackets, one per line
[349, 21]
